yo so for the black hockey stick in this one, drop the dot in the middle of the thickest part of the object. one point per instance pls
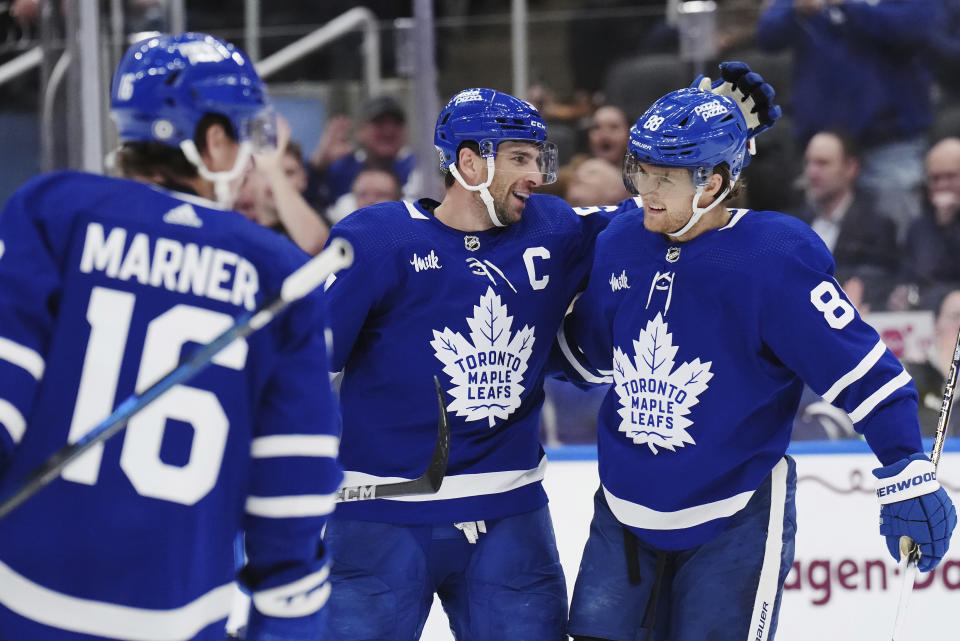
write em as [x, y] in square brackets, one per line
[295, 286]
[909, 550]
[428, 483]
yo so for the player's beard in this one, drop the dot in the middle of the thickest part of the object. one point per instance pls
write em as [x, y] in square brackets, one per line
[505, 205]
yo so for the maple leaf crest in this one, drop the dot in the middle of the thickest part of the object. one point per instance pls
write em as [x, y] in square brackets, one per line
[486, 370]
[655, 399]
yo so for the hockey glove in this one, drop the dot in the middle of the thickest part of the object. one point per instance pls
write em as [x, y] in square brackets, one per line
[913, 504]
[748, 89]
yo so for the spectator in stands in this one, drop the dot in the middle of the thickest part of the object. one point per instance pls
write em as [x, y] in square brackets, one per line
[375, 185]
[931, 253]
[859, 233]
[595, 182]
[271, 194]
[860, 67]
[609, 134]
[293, 166]
[371, 186]
[931, 374]
[382, 137]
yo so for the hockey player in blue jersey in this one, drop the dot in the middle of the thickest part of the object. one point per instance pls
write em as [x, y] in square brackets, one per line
[708, 321]
[103, 283]
[472, 290]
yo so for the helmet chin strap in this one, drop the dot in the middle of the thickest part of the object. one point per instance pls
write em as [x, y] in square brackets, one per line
[698, 211]
[482, 188]
[221, 179]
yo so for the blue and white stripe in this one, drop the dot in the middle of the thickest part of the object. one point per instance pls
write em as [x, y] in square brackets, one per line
[861, 370]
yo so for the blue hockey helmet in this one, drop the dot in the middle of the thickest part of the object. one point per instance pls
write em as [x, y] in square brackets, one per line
[692, 129]
[488, 118]
[165, 84]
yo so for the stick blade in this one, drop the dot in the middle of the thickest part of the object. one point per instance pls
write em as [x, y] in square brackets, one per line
[428, 483]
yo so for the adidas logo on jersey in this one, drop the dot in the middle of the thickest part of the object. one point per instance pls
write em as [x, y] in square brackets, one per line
[619, 282]
[430, 261]
[183, 215]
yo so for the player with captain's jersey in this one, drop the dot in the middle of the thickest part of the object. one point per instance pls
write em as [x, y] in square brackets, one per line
[472, 290]
[708, 322]
[104, 283]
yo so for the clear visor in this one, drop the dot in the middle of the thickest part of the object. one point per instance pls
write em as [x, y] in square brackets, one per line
[641, 180]
[260, 131]
[525, 157]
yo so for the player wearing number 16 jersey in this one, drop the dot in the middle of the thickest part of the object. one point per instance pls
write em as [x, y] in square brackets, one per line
[708, 321]
[104, 283]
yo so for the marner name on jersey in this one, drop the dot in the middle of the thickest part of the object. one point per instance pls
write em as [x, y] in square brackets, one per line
[163, 262]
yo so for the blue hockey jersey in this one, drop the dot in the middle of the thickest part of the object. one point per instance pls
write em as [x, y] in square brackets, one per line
[479, 310]
[103, 284]
[708, 343]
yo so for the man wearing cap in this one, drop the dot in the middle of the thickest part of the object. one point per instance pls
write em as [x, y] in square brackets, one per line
[382, 138]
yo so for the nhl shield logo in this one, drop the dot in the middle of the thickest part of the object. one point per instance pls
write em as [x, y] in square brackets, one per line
[673, 254]
[472, 243]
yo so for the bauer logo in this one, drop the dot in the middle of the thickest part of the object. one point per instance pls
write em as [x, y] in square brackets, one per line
[656, 398]
[710, 109]
[762, 625]
[486, 367]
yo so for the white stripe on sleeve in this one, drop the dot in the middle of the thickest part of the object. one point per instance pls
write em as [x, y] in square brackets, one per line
[856, 373]
[12, 420]
[282, 507]
[295, 445]
[300, 598]
[877, 397]
[579, 367]
[22, 356]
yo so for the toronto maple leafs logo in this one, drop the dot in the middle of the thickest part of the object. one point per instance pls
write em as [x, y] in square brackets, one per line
[655, 399]
[486, 370]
